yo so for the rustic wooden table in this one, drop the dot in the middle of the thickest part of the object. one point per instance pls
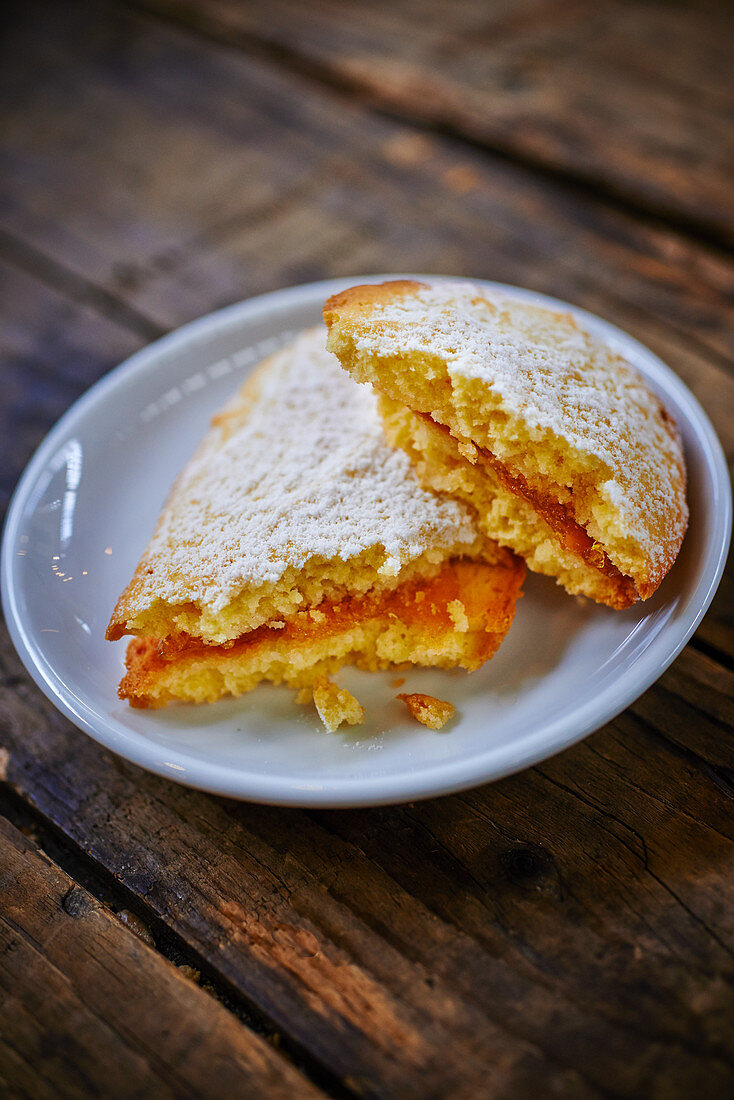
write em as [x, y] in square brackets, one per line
[566, 932]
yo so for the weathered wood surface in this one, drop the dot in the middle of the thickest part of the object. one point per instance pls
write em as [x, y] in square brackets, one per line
[210, 188]
[635, 99]
[76, 1016]
[564, 929]
[567, 930]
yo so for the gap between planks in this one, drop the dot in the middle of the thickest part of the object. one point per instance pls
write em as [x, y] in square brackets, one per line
[348, 880]
[713, 652]
[117, 898]
[78, 287]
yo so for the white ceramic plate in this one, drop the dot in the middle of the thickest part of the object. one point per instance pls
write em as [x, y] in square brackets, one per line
[86, 505]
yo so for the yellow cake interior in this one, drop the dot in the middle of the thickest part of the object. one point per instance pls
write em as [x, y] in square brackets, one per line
[443, 464]
[455, 619]
[318, 581]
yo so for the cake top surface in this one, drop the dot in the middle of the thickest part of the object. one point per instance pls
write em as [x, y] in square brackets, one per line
[296, 468]
[546, 368]
[557, 381]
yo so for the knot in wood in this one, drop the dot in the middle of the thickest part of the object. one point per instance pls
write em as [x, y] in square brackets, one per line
[75, 902]
[525, 864]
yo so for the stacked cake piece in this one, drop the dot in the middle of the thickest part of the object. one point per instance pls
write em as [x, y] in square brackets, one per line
[297, 540]
[560, 448]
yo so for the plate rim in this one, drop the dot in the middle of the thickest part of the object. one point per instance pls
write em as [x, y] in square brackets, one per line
[427, 782]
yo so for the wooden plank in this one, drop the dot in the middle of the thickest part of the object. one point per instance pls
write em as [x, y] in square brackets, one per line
[53, 347]
[87, 1008]
[297, 184]
[568, 929]
[130, 147]
[113, 812]
[571, 925]
[634, 99]
[717, 628]
[328, 981]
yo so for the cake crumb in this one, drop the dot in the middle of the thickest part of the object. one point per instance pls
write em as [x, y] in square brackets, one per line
[190, 972]
[336, 705]
[398, 682]
[136, 926]
[458, 616]
[431, 712]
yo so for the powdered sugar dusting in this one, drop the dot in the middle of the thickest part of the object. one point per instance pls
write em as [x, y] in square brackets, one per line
[306, 474]
[560, 382]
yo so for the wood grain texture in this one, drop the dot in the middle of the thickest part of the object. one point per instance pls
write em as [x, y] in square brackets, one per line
[633, 99]
[218, 176]
[52, 347]
[571, 925]
[86, 1008]
[566, 931]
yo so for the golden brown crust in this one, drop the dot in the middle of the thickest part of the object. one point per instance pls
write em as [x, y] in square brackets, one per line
[141, 661]
[360, 299]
